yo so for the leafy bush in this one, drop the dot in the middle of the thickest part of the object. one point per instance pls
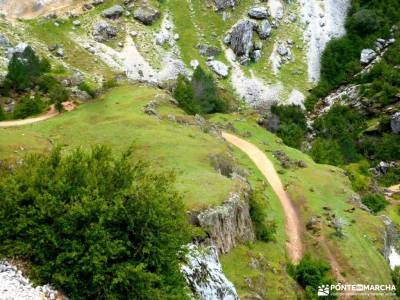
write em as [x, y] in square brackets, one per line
[293, 126]
[392, 177]
[58, 94]
[364, 21]
[109, 84]
[46, 82]
[311, 273]
[95, 225]
[84, 86]
[28, 106]
[265, 229]
[338, 132]
[198, 95]
[375, 202]
[325, 151]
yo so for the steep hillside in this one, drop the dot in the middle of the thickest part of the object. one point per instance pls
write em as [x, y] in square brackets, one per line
[143, 139]
[281, 47]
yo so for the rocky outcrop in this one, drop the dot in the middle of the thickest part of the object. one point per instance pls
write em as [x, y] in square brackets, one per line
[264, 29]
[258, 12]
[147, 15]
[103, 31]
[241, 39]
[229, 224]
[395, 123]
[13, 285]
[367, 55]
[113, 12]
[219, 68]
[224, 4]
[204, 275]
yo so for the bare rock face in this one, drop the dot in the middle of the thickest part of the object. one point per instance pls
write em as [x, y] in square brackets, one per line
[103, 31]
[113, 12]
[219, 68]
[241, 40]
[224, 4]
[229, 224]
[367, 55]
[147, 15]
[258, 12]
[204, 275]
[264, 29]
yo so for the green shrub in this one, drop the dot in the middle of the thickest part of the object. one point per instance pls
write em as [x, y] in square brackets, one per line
[85, 87]
[392, 177]
[375, 202]
[364, 21]
[326, 151]
[95, 225]
[338, 133]
[46, 82]
[198, 95]
[109, 84]
[292, 124]
[311, 273]
[58, 94]
[265, 229]
[28, 106]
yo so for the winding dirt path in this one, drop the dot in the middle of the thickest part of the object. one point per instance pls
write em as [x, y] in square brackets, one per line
[68, 106]
[292, 222]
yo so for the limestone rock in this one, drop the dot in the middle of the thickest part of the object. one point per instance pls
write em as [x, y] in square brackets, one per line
[147, 15]
[258, 13]
[219, 68]
[204, 275]
[241, 39]
[367, 55]
[103, 31]
[113, 12]
[264, 29]
[228, 224]
[224, 4]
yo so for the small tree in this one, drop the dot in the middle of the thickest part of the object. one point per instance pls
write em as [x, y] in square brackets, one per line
[184, 95]
[24, 70]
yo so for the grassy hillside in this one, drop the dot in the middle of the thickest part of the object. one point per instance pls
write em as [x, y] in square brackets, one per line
[117, 120]
[314, 188]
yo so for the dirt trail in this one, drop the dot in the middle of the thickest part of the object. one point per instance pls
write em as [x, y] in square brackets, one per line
[68, 106]
[293, 228]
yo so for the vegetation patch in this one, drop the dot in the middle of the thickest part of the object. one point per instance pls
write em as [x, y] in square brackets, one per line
[95, 225]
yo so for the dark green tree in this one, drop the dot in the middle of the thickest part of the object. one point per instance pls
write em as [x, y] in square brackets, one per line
[183, 93]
